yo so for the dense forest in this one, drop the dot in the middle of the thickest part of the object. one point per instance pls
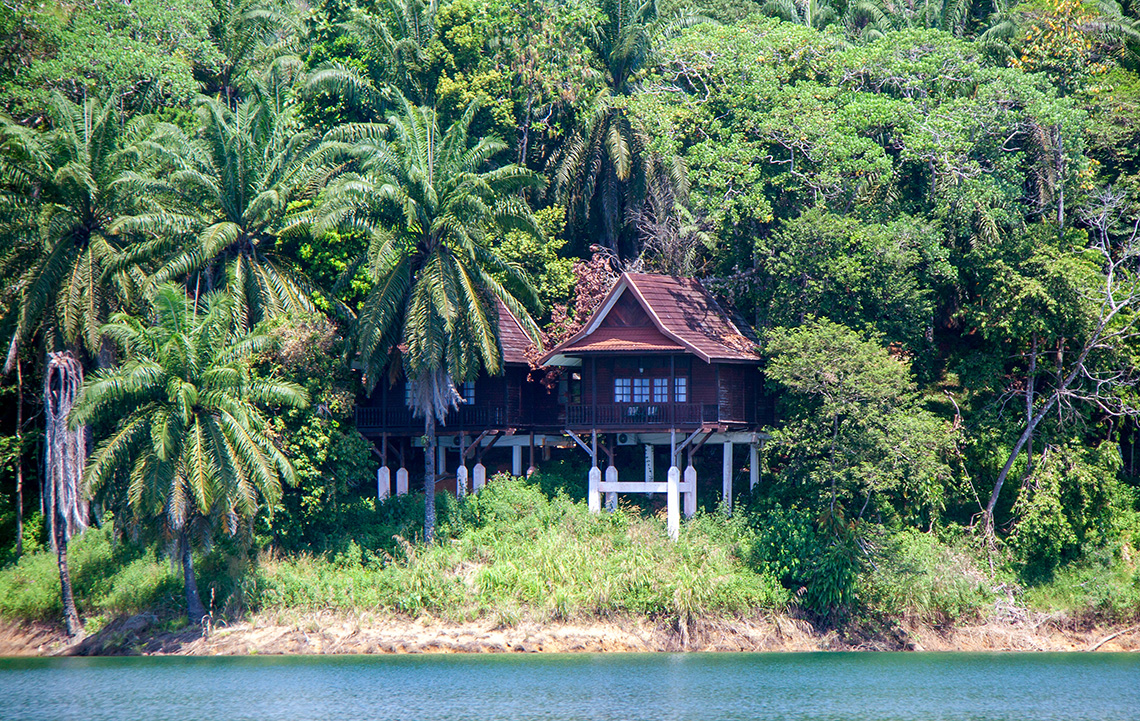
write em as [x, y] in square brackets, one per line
[221, 222]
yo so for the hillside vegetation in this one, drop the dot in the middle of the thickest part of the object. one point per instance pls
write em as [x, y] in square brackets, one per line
[223, 222]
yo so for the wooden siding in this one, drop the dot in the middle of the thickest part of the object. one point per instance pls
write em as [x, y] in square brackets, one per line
[717, 393]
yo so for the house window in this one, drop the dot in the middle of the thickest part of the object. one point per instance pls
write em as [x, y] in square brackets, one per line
[408, 393]
[640, 390]
[574, 388]
[622, 390]
[467, 391]
[681, 389]
[660, 390]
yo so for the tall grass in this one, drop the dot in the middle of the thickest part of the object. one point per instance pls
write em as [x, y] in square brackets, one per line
[109, 578]
[515, 552]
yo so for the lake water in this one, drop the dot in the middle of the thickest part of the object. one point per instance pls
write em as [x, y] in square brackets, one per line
[621, 687]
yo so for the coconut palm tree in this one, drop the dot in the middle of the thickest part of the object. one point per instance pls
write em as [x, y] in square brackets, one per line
[189, 440]
[65, 270]
[434, 206]
[225, 193]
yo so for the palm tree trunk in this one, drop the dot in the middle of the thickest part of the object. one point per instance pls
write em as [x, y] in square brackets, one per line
[70, 614]
[19, 461]
[195, 611]
[429, 477]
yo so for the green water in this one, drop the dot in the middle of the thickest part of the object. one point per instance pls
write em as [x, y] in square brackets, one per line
[622, 687]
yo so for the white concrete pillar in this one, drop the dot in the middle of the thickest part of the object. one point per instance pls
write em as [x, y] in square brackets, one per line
[648, 463]
[611, 497]
[753, 466]
[401, 481]
[441, 457]
[726, 499]
[673, 502]
[691, 496]
[593, 495]
[479, 478]
[461, 482]
[383, 483]
[516, 461]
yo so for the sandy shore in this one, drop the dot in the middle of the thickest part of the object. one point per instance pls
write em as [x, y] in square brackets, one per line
[326, 633]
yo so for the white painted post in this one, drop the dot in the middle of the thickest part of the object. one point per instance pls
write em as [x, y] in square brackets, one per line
[480, 477]
[673, 496]
[753, 466]
[383, 483]
[461, 482]
[611, 497]
[594, 496]
[516, 461]
[648, 463]
[726, 500]
[440, 458]
[691, 496]
[461, 469]
[402, 481]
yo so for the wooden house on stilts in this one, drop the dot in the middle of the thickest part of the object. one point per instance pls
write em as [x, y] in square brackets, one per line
[495, 412]
[660, 363]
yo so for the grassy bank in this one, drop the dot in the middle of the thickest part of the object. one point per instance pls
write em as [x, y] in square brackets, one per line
[515, 554]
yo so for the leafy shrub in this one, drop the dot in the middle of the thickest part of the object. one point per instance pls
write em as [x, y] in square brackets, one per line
[917, 576]
[108, 577]
[1105, 588]
[818, 564]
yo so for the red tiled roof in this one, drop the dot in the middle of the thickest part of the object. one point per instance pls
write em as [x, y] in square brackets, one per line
[513, 338]
[685, 317]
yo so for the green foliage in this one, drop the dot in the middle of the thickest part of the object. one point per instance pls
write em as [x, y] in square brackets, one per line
[540, 258]
[186, 431]
[110, 577]
[916, 576]
[515, 552]
[818, 565]
[145, 51]
[1103, 588]
[854, 433]
[1071, 505]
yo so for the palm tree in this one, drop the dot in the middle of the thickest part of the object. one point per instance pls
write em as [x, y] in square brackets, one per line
[399, 45]
[606, 168]
[189, 439]
[434, 208]
[65, 270]
[227, 192]
[816, 14]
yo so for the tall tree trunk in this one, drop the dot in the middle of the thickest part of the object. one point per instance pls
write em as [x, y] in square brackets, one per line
[1029, 388]
[429, 477]
[19, 460]
[195, 611]
[66, 449]
[70, 614]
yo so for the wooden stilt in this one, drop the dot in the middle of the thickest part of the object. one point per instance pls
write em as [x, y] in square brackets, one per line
[594, 477]
[726, 497]
[531, 468]
[753, 466]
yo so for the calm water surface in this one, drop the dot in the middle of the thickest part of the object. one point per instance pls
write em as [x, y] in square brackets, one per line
[618, 687]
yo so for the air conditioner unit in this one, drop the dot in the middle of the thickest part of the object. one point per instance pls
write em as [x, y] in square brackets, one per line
[626, 439]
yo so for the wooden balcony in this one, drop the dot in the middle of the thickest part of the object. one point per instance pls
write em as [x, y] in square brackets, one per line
[641, 415]
[400, 420]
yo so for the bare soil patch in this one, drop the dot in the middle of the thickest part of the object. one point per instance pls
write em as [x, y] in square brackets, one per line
[327, 633]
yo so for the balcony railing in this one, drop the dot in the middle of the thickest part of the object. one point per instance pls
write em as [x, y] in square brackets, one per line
[464, 417]
[621, 415]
